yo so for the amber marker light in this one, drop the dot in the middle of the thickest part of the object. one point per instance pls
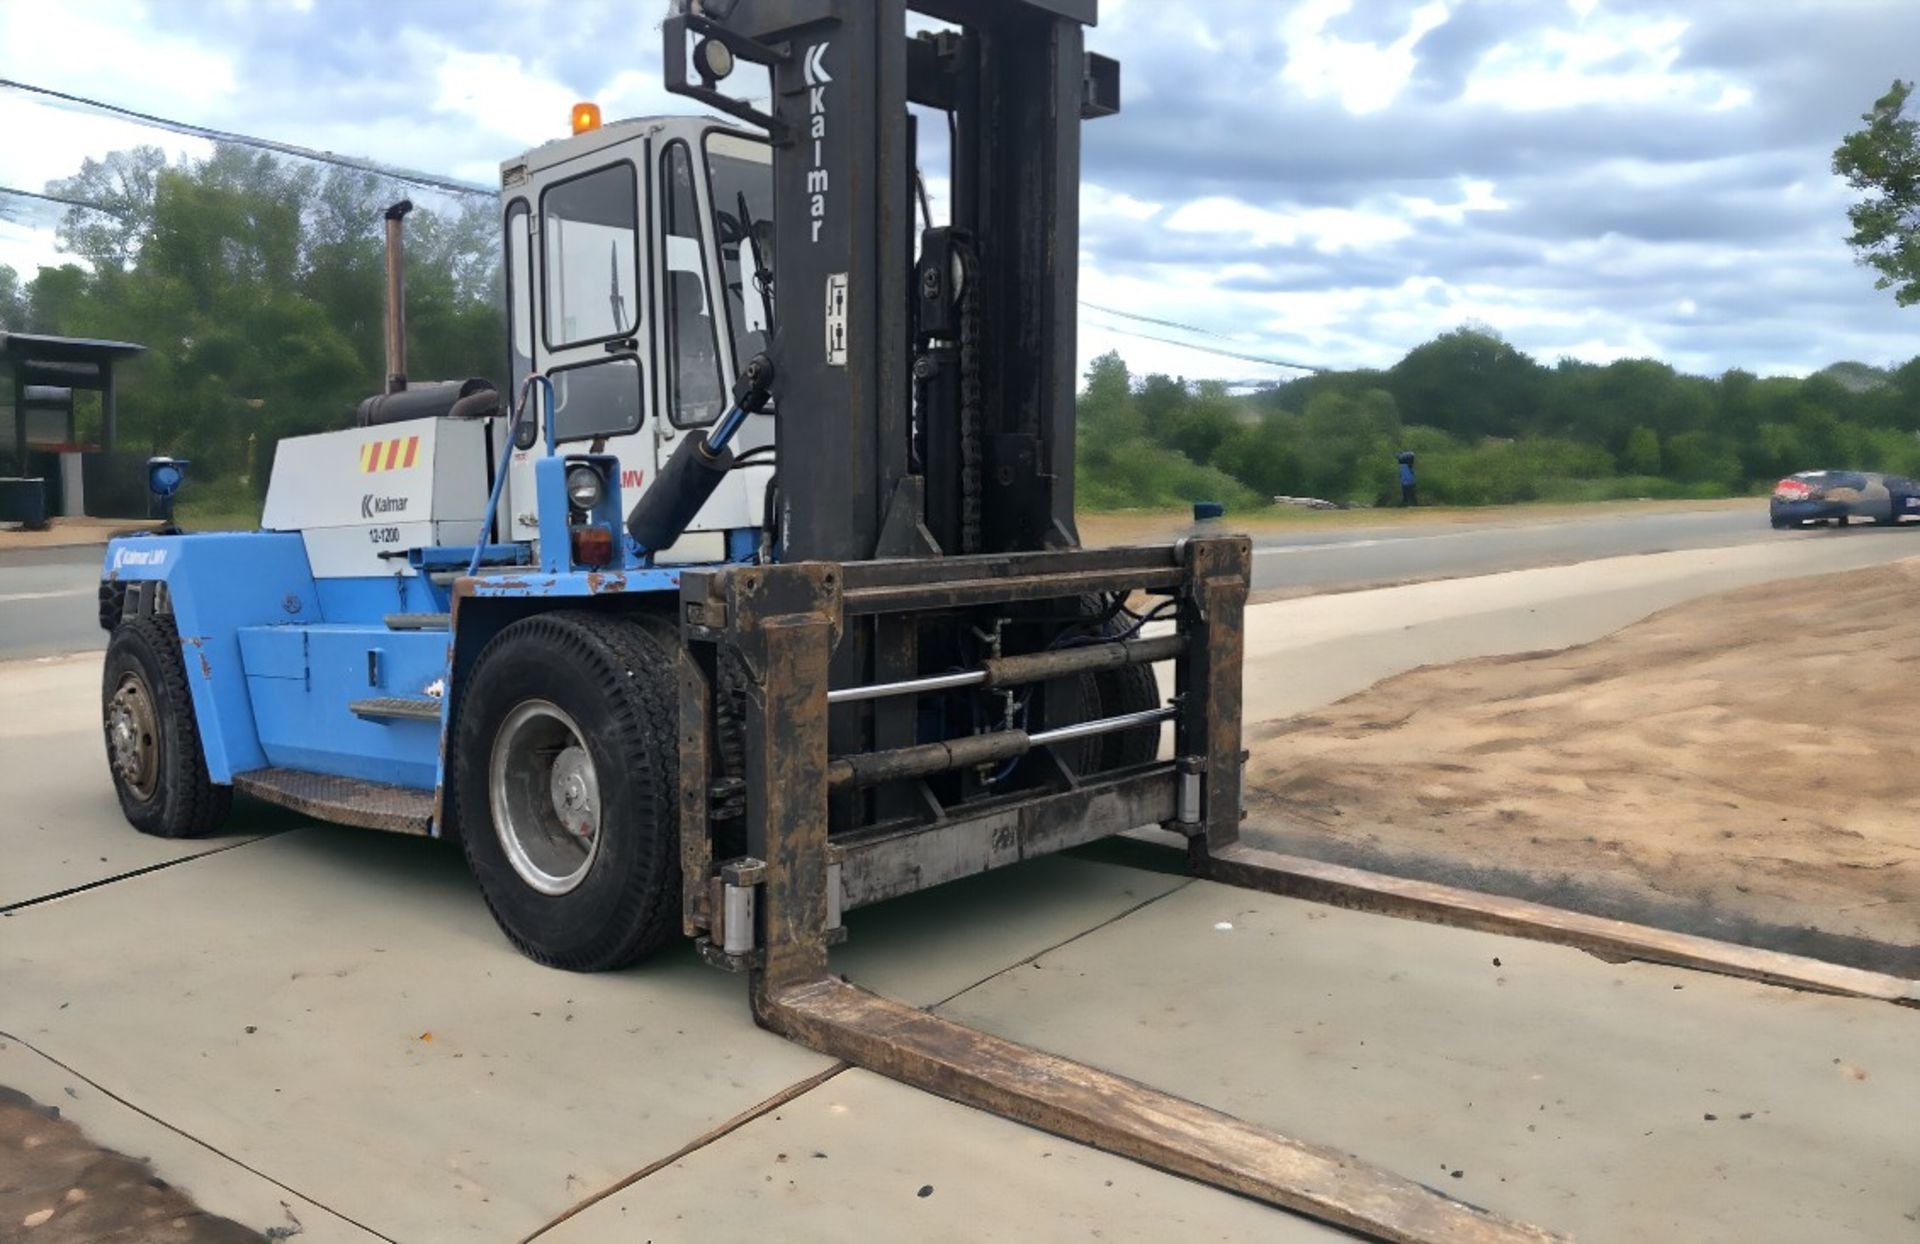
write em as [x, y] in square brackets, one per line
[586, 117]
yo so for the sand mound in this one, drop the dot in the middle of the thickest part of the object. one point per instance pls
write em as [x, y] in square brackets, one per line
[1751, 758]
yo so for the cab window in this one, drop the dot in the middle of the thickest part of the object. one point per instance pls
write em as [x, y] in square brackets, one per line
[694, 391]
[519, 276]
[741, 185]
[590, 257]
[596, 399]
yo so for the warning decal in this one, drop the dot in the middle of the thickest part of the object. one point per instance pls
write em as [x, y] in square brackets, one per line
[389, 455]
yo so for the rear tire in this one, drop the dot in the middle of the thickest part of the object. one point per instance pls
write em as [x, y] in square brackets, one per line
[566, 771]
[153, 739]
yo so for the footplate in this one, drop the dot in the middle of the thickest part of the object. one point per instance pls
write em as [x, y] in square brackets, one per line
[343, 800]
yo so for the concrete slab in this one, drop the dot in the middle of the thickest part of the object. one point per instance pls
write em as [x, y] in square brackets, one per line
[338, 1007]
[200, 1172]
[1607, 1101]
[861, 1151]
[928, 947]
[62, 826]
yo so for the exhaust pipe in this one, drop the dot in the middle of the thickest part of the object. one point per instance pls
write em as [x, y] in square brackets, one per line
[397, 297]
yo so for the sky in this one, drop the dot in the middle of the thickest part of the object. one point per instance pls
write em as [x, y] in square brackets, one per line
[1326, 181]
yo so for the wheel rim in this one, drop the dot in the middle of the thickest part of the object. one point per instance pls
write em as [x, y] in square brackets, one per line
[133, 736]
[545, 797]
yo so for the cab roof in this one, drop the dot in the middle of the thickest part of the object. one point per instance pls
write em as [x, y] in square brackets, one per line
[574, 146]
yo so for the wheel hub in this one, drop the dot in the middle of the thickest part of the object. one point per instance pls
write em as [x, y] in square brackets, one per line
[133, 736]
[545, 797]
[574, 796]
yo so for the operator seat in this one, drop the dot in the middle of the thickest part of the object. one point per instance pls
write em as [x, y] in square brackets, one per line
[697, 393]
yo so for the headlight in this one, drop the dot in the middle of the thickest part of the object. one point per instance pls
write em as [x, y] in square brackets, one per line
[584, 487]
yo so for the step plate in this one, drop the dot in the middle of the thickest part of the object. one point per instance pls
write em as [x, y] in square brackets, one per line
[411, 708]
[419, 621]
[347, 801]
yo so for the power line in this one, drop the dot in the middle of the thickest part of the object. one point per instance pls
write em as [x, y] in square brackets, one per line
[408, 176]
[56, 198]
[1148, 319]
[1189, 345]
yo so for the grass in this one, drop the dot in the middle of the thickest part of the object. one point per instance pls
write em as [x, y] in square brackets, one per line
[218, 505]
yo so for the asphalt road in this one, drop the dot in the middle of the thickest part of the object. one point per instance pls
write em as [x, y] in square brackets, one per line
[1351, 558]
[47, 597]
[49, 602]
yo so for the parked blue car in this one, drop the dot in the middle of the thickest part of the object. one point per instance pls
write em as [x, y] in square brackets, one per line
[1838, 497]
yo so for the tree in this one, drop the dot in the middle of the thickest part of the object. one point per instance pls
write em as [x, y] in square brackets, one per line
[1108, 416]
[124, 186]
[1883, 160]
[1209, 418]
[1642, 455]
[13, 302]
[255, 283]
[1469, 382]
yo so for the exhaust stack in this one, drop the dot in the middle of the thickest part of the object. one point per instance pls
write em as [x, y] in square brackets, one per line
[397, 296]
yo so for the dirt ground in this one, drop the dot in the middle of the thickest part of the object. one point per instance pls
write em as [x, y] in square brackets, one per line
[58, 1187]
[1746, 765]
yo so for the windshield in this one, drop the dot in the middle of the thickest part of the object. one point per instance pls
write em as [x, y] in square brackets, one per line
[742, 173]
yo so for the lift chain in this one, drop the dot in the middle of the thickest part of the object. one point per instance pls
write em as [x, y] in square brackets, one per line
[971, 394]
[727, 797]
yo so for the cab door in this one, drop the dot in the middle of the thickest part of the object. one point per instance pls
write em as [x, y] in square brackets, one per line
[588, 283]
[691, 388]
[694, 349]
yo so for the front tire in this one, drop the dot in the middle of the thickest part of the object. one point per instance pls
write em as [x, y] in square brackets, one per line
[1128, 689]
[565, 778]
[153, 739]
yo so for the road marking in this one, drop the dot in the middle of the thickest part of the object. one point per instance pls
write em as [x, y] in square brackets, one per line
[72, 591]
[1332, 546]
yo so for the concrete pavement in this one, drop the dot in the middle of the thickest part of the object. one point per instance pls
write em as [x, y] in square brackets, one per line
[327, 1018]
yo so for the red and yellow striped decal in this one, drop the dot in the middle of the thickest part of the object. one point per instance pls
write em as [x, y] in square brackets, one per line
[390, 455]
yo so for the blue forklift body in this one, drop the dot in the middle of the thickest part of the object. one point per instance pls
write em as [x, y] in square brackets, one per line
[359, 677]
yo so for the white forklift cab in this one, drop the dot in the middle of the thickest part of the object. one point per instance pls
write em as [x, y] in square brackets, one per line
[640, 240]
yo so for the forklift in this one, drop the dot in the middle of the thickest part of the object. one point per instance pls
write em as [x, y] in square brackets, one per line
[755, 596]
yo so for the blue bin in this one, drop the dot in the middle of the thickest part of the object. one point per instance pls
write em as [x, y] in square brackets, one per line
[24, 501]
[1204, 510]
